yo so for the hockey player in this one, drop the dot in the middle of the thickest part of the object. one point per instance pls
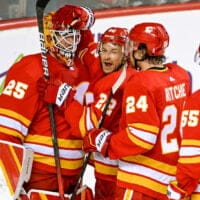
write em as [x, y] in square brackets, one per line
[187, 185]
[147, 143]
[24, 116]
[112, 53]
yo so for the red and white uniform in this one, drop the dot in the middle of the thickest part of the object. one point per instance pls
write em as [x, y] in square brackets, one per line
[89, 56]
[104, 167]
[148, 141]
[89, 116]
[24, 119]
[188, 173]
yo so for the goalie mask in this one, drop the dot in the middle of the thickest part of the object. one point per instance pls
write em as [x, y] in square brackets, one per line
[153, 35]
[62, 31]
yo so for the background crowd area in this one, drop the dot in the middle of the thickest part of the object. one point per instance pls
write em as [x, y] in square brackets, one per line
[13, 9]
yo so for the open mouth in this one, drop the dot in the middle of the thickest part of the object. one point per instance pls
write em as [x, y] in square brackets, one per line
[107, 64]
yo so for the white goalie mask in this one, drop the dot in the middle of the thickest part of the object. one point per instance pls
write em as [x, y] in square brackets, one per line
[66, 40]
[62, 31]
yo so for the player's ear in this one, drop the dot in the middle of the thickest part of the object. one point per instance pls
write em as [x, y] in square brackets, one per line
[142, 51]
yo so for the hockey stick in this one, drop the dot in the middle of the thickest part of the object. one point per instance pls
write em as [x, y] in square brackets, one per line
[114, 88]
[40, 7]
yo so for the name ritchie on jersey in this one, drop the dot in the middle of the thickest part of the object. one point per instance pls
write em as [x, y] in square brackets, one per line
[175, 92]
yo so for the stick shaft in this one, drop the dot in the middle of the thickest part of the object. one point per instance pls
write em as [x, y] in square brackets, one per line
[40, 7]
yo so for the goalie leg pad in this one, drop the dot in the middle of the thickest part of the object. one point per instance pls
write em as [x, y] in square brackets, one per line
[15, 166]
[84, 193]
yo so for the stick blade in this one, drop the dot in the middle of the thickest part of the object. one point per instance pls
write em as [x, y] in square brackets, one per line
[42, 4]
[40, 7]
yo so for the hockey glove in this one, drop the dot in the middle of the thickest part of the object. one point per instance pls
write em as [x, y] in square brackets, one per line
[77, 17]
[174, 192]
[97, 140]
[54, 92]
[85, 18]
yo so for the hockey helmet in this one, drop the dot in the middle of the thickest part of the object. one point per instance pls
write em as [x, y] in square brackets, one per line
[153, 35]
[116, 35]
[62, 31]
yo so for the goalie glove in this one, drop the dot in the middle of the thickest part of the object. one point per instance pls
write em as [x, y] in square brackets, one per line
[97, 140]
[72, 16]
[54, 92]
[174, 192]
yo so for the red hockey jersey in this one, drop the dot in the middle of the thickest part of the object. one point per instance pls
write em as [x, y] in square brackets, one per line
[188, 168]
[148, 141]
[24, 116]
[89, 117]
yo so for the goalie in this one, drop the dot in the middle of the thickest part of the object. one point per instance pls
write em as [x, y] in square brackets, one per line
[24, 117]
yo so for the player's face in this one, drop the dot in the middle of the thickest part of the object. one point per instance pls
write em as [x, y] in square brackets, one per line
[111, 56]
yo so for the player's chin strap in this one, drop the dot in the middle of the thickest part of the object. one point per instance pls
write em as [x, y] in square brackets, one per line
[114, 88]
[40, 7]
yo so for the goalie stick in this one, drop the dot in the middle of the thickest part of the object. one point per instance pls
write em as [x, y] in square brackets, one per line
[114, 88]
[40, 7]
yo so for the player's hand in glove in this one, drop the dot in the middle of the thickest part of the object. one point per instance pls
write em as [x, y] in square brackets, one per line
[97, 140]
[54, 91]
[175, 193]
[77, 17]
